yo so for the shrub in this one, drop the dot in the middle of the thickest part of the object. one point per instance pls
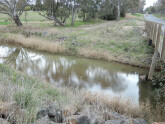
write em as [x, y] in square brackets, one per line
[27, 8]
[158, 81]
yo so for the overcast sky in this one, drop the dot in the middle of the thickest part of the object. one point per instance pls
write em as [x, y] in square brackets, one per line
[150, 3]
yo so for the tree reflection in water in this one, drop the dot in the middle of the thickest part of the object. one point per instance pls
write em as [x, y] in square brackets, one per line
[111, 78]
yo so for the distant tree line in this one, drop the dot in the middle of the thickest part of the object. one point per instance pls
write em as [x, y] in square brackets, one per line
[61, 10]
[158, 7]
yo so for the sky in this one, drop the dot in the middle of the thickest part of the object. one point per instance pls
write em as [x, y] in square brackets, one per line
[150, 3]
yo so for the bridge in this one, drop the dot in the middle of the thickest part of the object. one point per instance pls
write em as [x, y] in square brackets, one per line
[155, 29]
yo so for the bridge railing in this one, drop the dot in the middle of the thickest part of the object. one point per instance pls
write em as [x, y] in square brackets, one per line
[156, 34]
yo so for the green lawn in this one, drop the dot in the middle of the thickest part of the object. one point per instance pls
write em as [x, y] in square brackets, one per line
[31, 16]
[5, 23]
[159, 16]
[138, 15]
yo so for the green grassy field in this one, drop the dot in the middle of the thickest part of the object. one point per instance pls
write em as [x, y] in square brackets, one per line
[159, 16]
[31, 16]
[5, 23]
[138, 15]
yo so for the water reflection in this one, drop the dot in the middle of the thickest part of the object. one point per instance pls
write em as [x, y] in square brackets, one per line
[110, 78]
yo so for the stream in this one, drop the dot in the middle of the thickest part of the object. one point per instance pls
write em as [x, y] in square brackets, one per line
[111, 78]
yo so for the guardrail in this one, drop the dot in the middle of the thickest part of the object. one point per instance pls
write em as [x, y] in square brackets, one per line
[156, 34]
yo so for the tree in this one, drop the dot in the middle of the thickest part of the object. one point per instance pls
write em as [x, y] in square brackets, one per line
[13, 8]
[88, 9]
[106, 11]
[73, 7]
[38, 5]
[57, 10]
[118, 4]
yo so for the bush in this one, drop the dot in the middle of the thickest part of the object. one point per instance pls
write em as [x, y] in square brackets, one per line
[27, 8]
[158, 81]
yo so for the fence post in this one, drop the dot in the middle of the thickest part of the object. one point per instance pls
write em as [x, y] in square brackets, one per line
[156, 53]
[153, 65]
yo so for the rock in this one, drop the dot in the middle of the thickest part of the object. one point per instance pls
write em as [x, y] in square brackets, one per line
[128, 121]
[145, 35]
[113, 116]
[158, 123]
[78, 119]
[139, 121]
[7, 107]
[99, 120]
[2, 121]
[44, 120]
[52, 112]
[45, 34]
[62, 39]
[68, 110]
[115, 122]
[143, 77]
[127, 28]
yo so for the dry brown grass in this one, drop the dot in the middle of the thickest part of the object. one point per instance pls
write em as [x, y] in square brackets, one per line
[126, 107]
[109, 56]
[34, 43]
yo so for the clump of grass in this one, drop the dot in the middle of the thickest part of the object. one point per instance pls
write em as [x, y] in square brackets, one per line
[34, 43]
[126, 107]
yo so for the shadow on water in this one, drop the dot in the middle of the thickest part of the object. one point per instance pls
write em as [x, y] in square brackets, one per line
[93, 75]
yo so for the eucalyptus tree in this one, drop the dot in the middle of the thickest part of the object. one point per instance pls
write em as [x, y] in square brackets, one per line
[57, 10]
[88, 9]
[13, 8]
[118, 4]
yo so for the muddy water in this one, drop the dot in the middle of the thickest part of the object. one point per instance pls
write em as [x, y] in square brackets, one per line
[93, 75]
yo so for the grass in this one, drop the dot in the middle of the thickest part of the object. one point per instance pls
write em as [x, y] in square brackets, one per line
[138, 15]
[30, 94]
[31, 16]
[35, 43]
[4, 23]
[159, 16]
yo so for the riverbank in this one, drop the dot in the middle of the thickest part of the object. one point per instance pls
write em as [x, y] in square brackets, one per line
[30, 95]
[112, 41]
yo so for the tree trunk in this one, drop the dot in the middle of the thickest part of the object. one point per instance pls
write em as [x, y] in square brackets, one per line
[17, 21]
[72, 23]
[118, 12]
[58, 21]
[84, 17]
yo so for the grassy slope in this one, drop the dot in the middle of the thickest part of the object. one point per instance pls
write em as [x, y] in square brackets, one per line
[113, 41]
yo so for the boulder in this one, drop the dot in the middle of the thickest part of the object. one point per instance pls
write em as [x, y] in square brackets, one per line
[113, 116]
[78, 119]
[158, 123]
[115, 122]
[52, 112]
[138, 121]
[68, 110]
[44, 120]
[126, 121]
[99, 120]
[7, 107]
[2, 121]
[45, 34]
